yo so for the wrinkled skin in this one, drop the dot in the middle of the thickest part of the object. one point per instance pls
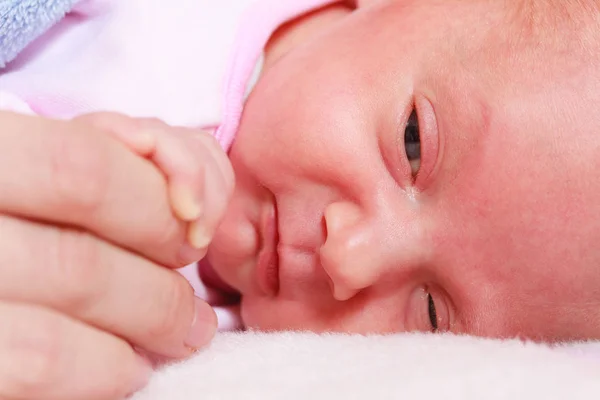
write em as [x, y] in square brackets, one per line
[500, 224]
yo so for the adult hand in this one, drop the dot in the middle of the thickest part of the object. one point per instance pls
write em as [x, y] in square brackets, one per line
[86, 230]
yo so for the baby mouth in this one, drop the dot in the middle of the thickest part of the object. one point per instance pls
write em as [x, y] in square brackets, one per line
[267, 266]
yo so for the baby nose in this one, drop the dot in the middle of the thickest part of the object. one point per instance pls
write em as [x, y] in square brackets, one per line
[349, 255]
[362, 247]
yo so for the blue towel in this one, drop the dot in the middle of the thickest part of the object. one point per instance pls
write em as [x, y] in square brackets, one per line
[22, 21]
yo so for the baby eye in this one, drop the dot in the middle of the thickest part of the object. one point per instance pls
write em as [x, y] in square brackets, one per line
[412, 143]
[427, 310]
[433, 319]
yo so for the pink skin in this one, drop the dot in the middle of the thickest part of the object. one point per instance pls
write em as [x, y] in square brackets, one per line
[500, 224]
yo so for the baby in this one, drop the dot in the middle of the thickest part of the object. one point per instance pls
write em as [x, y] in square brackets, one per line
[423, 166]
[400, 165]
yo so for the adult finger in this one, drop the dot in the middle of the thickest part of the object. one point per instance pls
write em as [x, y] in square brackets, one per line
[126, 129]
[69, 172]
[94, 281]
[137, 134]
[46, 355]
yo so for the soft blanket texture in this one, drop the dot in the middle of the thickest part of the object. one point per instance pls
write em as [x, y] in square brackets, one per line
[22, 21]
[413, 366]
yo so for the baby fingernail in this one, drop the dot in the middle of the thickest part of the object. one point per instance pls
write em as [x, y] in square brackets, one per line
[203, 327]
[198, 236]
[185, 204]
[188, 254]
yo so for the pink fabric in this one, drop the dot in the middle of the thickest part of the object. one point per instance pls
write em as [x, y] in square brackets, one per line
[272, 14]
[189, 63]
[10, 102]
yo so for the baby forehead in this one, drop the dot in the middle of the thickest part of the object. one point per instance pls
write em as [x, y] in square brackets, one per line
[544, 77]
[517, 35]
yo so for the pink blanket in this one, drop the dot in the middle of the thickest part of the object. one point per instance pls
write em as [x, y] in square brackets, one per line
[409, 366]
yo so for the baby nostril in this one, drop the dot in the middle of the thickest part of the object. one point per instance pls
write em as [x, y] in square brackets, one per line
[339, 292]
[348, 249]
[343, 294]
[343, 276]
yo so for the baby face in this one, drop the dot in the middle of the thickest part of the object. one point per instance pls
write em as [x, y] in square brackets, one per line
[341, 221]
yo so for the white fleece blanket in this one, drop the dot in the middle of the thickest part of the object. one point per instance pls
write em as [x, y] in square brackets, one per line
[409, 366]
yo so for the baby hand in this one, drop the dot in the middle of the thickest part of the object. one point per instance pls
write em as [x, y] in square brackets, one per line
[199, 174]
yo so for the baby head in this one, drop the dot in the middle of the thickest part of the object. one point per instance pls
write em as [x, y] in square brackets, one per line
[419, 165]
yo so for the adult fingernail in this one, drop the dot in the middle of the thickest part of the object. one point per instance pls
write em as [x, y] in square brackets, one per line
[198, 236]
[185, 203]
[203, 327]
[143, 373]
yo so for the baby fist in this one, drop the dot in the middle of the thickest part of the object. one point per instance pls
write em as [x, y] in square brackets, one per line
[199, 175]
